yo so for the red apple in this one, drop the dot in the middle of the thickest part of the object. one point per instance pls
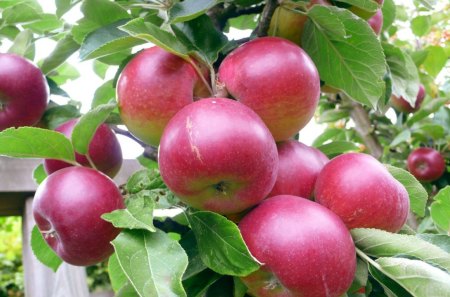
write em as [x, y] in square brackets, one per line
[153, 86]
[376, 22]
[306, 250]
[400, 104]
[216, 154]
[426, 164]
[104, 150]
[67, 209]
[360, 190]
[23, 92]
[276, 79]
[299, 166]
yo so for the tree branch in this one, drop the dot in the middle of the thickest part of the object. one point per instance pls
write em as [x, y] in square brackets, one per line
[150, 152]
[266, 17]
[220, 14]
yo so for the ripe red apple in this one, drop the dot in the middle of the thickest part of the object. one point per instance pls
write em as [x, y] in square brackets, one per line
[276, 79]
[23, 92]
[376, 22]
[306, 250]
[153, 86]
[426, 164]
[400, 104]
[360, 190]
[67, 209]
[216, 154]
[299, 166]
[104, 150]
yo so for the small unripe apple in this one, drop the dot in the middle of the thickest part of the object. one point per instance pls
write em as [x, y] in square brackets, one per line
[299, 166]
[104, 151]
[362, 192]
[276, 79]
[426, 164]
[400, 104]
[154, 86]
[306, 250]
[23, 92]
[67, 207]
[216, 154]
[376, 22]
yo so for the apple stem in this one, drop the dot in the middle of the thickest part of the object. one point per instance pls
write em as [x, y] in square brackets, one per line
[49, 233]
[90, 161]
[200, 74]
[266, 16]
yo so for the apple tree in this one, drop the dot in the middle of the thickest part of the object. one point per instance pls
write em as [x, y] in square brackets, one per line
[230, 201]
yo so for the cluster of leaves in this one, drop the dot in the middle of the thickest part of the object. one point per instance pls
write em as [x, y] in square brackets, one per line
[11, 276]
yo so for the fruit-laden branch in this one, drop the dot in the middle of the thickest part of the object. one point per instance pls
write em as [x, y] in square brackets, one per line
[150, 151]
[266, 17]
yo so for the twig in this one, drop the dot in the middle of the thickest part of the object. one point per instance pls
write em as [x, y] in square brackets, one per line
[220, 14]
[150, 152]
[266, 17]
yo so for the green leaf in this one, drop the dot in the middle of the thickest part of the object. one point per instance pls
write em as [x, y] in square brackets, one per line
[85, 128]
[361, 276]
[146, 179]
[104, 94]
[428, 3]
[47, 23]
[100, 68]
[42, 250]
[435, 61]
[21, 13]
[330, 22]
[200, 35]
[22, 43]
[419, 57]
[197, 285]
[39, 174]
[403, 136]
[63, 6]
[116, 275]
[329, 133]
[418, 196]
[367, 5]
[239, 288]
[152, 262]
[196, 265]
[353, 63]
[428, 108]
[440, 240]
[332, 115]
[389, 13]
[147, 31]
[29, 142]
[103, 12]
[137, 215]
[417, 277]
[379, 243]
[440, 209]
[244, 22]
[56, 115]
[338, 147]
[9, 32]
[63, 73]
[390, 287]
[220, 244]
[405, 78]
[190, 9]
[107, 40]
[63, 50]
[421, 25]
[434, 131]
[127, 291]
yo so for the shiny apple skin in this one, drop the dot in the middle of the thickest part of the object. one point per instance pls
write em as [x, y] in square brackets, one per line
[154, 86]
[400, 104]
[376, 22]
[104, 150]
[70, 202]
[216, 154]
[306, 249]
[426, 164]
[360, 190]
[276, 79]
[23, 92]
[299, 166]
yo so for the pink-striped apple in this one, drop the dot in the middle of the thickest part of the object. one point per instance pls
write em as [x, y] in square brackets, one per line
[426, 164]
[400, 104]
[216, 154]
[306, 250]
[276, 79]
[362, 192]
[67, 207]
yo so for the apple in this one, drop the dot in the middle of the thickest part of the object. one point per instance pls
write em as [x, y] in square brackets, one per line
[426, 164]
[376, 22]
[299, 166]
[364, 13]
[153, 86]
[67, 207]
[306, 250]
[400, 104]
[276, 79]
[23, 92]
[216, 154]
[289, 24]
[362, 192]
[104, 151]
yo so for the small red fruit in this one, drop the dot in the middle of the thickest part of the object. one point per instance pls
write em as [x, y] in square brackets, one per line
[402, 105]
[426, 164]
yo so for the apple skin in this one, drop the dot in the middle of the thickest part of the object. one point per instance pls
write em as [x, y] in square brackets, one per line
[154, 86]
[276, 79]
[400, 104]
[376, 22]
[104, 150]
[361, 191]
[306, 249]
[23, 92]
[299, 166]
[67, 207]
[216, 154]
[426, 164]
